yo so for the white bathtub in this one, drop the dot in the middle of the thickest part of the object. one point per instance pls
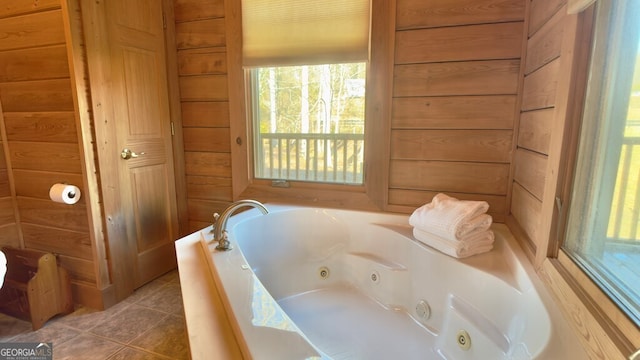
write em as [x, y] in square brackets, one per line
[303, 283]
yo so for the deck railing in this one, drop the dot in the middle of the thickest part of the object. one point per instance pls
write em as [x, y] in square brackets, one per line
[623, 226]
[334, 158]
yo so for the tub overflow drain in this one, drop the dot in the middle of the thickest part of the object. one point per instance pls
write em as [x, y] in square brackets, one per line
[323, 272]
[464, 340]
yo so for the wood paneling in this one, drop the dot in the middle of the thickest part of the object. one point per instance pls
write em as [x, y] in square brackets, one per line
[475, 42]
[452, 145]
[36, 184]
[48, 213]
[7, 216]
[203, 88]
[19, 7]
[81, 271]
[200, 34]
[464, 177]
[207, 139]
[540, 87]
[530, 171]
[545, 45]
[34, 96]
[208, 164]
[203, 210]
[526, 209]
[202, 61]
[48, 62]
[457, 78]
[205, 114]
[188, 10]
[209, 188]
[541, 11]
[204, 93]
[41, 126]
[9, 235]
[42, 138]
[433, 13]
[5, 190]
[59, 241]
[45, 156]
[454, 112]
[38, 29]
[535, 130]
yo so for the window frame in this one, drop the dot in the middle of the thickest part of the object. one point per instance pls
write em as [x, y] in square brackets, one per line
[252, 101]
[370, 196]
[604, 329]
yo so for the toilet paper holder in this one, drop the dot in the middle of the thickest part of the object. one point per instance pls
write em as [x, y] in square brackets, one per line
[64, 193]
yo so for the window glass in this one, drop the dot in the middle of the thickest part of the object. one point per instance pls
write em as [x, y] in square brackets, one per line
[603, 232]
[308, 122]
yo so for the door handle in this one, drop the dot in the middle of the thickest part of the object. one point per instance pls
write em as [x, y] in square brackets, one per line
[128, 154]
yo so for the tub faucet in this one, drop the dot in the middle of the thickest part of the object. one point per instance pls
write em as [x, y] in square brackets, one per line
[220, 226]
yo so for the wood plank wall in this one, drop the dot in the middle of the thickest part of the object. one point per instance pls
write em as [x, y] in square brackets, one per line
[457, 64]
[455, 89]
[41, 139]
[542, 63]
[202, 70]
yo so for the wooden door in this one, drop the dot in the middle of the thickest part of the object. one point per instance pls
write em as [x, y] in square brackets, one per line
[134, 137]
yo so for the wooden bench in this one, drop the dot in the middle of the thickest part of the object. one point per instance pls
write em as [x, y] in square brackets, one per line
[35, 287]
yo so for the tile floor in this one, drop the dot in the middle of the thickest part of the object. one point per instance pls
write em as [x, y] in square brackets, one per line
[147, 325]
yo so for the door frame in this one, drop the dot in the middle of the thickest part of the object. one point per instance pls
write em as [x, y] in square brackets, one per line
[120, 257]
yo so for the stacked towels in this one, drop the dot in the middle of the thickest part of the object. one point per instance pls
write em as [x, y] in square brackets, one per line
[458, 228]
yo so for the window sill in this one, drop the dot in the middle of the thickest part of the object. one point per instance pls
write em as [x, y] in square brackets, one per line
[354, 197]
[605, 332]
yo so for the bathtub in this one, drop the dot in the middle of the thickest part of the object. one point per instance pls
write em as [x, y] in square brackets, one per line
[311, 283]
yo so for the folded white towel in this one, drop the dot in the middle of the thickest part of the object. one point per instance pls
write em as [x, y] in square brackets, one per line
[476, 243]
[451, 218]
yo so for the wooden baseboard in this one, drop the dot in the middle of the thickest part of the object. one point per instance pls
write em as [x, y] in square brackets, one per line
[90, 296]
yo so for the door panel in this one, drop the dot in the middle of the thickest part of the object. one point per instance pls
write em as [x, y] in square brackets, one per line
[142, 122]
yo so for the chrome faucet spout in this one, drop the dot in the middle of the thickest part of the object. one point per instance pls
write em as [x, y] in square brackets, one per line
[220, 226]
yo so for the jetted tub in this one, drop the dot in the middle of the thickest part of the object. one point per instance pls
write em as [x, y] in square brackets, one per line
[305, 283]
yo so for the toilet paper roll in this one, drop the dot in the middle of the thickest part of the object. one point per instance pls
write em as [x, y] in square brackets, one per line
[63, 193]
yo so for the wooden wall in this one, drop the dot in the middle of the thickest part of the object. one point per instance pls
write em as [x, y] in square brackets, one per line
[454, 102]
[454, 95]
[40, 140]
[541, 73]
[202, 70]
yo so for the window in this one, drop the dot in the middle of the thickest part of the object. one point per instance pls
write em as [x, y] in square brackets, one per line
[603, 230]
[306, 62]
[308, 122]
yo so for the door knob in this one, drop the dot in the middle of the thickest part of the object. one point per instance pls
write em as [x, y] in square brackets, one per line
[128, 154]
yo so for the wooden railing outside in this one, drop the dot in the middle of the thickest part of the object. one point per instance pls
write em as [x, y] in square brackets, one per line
[623, 225]
[333, 158]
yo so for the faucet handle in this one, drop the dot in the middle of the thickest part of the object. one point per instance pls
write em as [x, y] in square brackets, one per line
[216, 216]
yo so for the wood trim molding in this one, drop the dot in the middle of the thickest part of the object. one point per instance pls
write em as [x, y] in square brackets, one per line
[97, 47]
[593, 330]
[563, 115]
[176, 117]
[80, 87]
[238, 131]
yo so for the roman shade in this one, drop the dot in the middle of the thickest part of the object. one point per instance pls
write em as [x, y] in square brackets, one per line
[304, 32]
[576, 6]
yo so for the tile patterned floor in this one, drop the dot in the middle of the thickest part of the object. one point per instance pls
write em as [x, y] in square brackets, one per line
[147, 325]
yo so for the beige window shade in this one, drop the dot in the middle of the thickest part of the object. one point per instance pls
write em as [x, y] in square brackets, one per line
[576, 6]
[304, 32]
